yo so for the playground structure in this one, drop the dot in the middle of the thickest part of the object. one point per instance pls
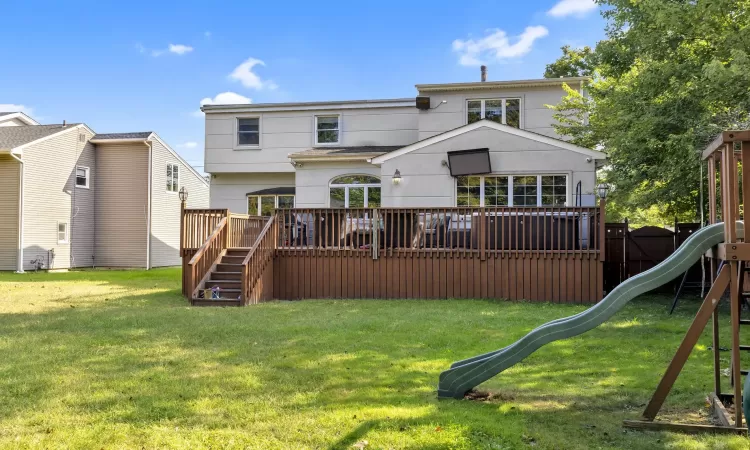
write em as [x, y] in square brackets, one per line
[723, 243]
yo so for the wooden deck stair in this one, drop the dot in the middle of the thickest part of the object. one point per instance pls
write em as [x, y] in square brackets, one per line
[228, 277]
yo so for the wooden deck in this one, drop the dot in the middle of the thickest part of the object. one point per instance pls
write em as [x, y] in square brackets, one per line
[535, 254]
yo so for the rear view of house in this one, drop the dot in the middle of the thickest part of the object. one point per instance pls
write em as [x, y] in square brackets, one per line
[73, 198]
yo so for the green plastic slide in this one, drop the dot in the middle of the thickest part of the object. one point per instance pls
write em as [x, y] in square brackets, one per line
[467, 374]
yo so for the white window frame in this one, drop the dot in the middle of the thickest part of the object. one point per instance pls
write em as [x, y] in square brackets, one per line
[510, 187]
[66, 239]
[275, 201]
[237, 145]
[315, 130]
[87, 170]
[347, 186]
[504, 102]
[172, 179]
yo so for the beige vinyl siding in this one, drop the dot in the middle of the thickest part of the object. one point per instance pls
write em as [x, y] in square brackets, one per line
[49, 192]
[425, 182]
[229, 190]
[121, 204]
[165, 206]
[84, 215]
[284, 132]
[9, 177]
[15, 122]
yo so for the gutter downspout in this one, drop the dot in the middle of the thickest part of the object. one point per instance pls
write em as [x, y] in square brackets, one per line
[19, 262]
[148, 206]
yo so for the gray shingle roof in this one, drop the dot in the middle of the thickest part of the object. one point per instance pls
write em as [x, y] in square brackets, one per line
[6, 113]
[347, 151]
[136, 135]
[12, 137]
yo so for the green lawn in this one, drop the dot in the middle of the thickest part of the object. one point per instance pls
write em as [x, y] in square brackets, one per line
[117, 360]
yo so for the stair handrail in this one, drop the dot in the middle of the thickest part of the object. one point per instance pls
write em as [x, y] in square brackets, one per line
[263, 237]
[212, 249]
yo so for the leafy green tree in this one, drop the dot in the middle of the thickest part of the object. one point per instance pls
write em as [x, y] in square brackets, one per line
[670, 76]
[573, 63]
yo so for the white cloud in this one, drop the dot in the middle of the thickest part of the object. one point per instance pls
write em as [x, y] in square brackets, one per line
[225, 98]
[577, 8]
[497, 46]
[180, 49]
[177, 49]
[10, 107]
[189, 144]
[245, 75]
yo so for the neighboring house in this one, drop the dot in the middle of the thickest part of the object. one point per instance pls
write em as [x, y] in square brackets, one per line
[73, 198]
[395, 152]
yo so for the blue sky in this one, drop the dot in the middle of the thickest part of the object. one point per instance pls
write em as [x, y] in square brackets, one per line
[138, 66]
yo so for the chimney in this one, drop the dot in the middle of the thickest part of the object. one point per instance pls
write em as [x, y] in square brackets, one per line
[63, 123]
[484, 73]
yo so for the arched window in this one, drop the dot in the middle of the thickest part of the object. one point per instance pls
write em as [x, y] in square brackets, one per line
[355, 191]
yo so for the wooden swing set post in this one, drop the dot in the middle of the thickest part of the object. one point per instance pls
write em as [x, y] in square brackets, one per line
[731, 257]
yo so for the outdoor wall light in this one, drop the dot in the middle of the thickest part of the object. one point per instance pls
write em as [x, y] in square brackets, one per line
[183, 194]
[603, 189]
[397, 177]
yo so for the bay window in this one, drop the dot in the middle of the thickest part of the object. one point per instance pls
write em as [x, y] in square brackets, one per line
[511, 190]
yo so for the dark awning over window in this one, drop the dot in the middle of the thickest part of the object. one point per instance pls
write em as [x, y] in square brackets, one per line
[275, 191]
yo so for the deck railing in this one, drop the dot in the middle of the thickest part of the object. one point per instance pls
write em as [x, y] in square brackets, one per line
[462, 231]
[258, 260]
[201, 263]
[244, 229]
[197, 226]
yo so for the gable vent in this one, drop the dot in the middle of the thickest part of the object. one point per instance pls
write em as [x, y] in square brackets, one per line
[81, 138]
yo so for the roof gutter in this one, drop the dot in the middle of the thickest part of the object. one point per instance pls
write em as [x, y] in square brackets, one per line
[322, 158]
[148, 205]
[118, 141]
[19, 262]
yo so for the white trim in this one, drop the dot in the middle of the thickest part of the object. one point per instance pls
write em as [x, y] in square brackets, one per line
[66, 240]
[177, 165]
[150, 146]
[237, 145]
[496, 126]
[347, 186]
[275, 201]
[509, 175]
[311, 106]
[487, 85]
[18, 115]
[338, 130]
[18, 150]
[22, 169]
[179, 158]
[503, 107]
[88, 177]
[366, 157]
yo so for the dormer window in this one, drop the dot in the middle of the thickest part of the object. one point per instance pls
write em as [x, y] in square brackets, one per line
[327, 130]
[506, 111]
